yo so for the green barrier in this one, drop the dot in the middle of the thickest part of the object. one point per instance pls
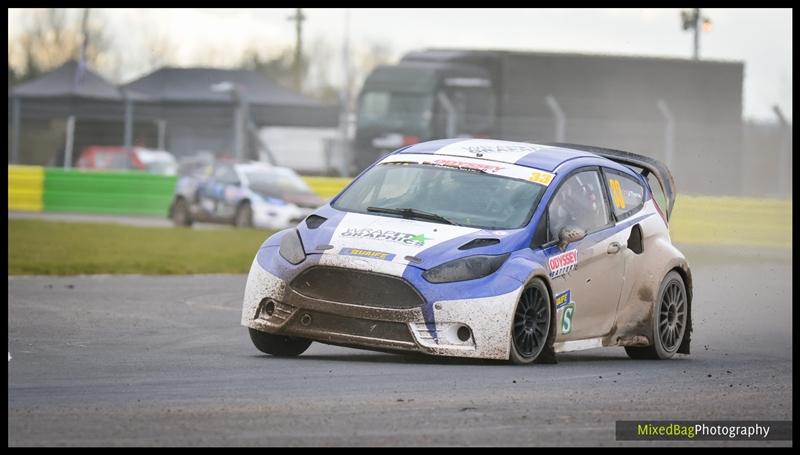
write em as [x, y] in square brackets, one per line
[697, 220]
[130, 193]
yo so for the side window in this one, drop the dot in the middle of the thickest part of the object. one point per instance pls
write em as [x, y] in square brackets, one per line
[226, 175]
[627, 195]
[578, 202]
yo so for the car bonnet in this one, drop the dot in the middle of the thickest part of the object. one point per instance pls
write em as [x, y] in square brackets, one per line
[387, 244]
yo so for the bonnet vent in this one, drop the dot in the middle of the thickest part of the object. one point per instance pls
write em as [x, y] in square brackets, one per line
[477, 243]
[314, 221]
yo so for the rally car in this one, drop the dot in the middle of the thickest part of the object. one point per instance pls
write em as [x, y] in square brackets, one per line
[481, 248]
[245, 194]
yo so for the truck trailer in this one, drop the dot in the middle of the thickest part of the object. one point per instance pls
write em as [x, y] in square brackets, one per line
[687, 113]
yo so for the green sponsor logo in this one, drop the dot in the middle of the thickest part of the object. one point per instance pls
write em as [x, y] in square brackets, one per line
[566, 318]
[391, 236]
[420, 238]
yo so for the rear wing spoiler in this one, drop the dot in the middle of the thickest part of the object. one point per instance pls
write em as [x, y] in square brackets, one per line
[641, 164]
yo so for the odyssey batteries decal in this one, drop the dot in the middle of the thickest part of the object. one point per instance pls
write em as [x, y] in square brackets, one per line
[563, 263]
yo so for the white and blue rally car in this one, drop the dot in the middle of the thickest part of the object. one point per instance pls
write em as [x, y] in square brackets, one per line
[245, 194]
[481, 248]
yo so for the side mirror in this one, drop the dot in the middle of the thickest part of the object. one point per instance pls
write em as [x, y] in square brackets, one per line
[569, 234]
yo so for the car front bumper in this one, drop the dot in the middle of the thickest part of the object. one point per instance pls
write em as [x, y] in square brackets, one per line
[279, 217]
[274, 306]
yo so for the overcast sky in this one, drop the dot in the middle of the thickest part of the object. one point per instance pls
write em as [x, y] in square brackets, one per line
[762, 39]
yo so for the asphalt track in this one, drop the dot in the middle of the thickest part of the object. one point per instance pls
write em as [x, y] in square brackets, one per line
[135, 360]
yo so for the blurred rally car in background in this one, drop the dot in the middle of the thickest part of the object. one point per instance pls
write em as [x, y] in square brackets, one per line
[245, 194]
[481, 248]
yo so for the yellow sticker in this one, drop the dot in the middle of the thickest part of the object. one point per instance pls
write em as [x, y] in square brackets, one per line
[543, 178]
[616, 192]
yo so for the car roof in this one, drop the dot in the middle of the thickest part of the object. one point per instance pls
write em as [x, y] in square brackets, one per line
[257, 166]
[529, 154]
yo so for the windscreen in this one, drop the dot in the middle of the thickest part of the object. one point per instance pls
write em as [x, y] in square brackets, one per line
[276, 182]
[464, 197]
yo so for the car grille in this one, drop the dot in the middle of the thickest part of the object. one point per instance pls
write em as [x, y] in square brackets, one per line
[356, 287]
[322, 324]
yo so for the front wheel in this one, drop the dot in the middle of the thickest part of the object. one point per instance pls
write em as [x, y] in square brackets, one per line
[532, 334]
[278, 345]
[181, 216]
[670, 315]
[244, 216]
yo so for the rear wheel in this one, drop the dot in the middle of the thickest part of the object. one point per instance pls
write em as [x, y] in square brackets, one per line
[669, 321]
[278, 345]
[244, 216]
[180, 213]
[531, 333]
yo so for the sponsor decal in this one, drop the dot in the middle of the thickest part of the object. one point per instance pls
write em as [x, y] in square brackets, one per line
[231, 194]
[392, 140]
[566, 318]
[498, 148]
[563, 299]
[563, 263]
[541, 177]
[616, 193]
[367, 253]
[484, 167]
[467, 82]
[387, 235]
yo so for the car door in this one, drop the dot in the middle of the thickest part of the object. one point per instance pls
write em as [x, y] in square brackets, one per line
[586, 276]
[627, 201]
[215, 192]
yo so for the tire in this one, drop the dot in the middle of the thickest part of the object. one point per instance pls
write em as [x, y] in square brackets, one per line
[244, 216]
[532, 332]
[670, 318]
[181, 216]
[278, 345]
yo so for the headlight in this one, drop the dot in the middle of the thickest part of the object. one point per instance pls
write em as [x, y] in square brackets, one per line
[463, 269]
[274, 200]
[292, 248]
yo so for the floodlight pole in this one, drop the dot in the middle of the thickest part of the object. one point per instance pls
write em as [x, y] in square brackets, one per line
[128, 139]
[238, 114]
[669, 131]
[697, 33]
[69, 142]
[15, 112]
[560, 118]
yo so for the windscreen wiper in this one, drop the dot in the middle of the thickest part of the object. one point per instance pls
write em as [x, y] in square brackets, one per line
[411, 213]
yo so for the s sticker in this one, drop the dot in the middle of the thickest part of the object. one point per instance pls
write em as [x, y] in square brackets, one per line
[366, 253]
[566, 318]
[563, 263]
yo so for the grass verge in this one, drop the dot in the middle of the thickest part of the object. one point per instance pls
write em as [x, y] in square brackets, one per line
[38, 247]
[732, 221]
